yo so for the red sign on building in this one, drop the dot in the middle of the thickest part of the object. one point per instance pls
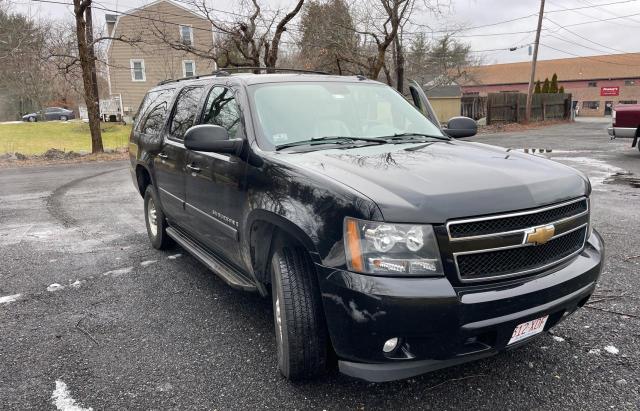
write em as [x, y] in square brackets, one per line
[610, 91]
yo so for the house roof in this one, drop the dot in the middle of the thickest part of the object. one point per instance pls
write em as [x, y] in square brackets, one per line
[607, 66]
[444, 91]
[153, 3]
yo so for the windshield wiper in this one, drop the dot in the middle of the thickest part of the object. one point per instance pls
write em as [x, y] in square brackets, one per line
[330, 140]
[413, 136]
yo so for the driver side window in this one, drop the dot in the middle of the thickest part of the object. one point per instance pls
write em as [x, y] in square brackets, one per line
[222, 110]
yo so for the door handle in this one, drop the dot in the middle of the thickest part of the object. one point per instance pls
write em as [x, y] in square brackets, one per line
[163, 155]
[193, 168]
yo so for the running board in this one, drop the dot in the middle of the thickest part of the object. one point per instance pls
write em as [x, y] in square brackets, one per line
[227, 273]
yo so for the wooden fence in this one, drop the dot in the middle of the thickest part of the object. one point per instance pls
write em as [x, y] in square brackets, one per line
[510, 107]
[474, 107]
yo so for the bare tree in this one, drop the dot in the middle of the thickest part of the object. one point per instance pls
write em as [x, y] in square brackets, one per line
[88, 67]
[24, 82]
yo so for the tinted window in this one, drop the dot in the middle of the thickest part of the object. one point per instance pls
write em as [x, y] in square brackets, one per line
[221, 109]
[153, 109]
[185, 111]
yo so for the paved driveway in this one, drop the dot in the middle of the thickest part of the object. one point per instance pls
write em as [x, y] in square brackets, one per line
[91, 315]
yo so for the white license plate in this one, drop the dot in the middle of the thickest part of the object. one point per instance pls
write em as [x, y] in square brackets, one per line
[528, 329]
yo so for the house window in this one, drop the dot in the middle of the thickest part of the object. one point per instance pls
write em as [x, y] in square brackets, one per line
[188, 68]
[137, 70]
[186, 35]
[629, 82]
[628, 102]
[592, 105]
[592, 84]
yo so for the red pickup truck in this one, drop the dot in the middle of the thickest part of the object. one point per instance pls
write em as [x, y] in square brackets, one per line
[625, 123]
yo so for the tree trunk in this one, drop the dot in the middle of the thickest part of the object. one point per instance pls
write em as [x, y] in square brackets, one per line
[88, 64]
[399, 65]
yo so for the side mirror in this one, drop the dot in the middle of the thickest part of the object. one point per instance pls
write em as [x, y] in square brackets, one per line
[459, 127]
[212, 138]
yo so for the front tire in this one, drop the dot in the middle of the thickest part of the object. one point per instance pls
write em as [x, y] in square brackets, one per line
[32, 119]
[63, 118]
[301, 333]
[155, 221]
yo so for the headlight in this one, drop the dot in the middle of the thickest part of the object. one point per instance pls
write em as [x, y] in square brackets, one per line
[391, 249]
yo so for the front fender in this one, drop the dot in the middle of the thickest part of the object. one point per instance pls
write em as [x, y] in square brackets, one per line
[306, 206]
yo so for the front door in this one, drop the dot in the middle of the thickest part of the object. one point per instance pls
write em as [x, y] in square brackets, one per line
[169, 163]
[215, 182]
[608, 108]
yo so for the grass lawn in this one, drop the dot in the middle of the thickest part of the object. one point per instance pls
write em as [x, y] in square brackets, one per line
[36, 138]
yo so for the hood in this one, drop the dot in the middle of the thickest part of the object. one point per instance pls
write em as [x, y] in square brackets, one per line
[436, 181]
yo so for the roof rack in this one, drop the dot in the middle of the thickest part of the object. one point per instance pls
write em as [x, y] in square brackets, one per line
[226, 72]
[285, 69]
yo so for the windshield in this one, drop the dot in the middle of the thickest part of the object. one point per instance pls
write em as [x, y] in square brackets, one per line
[293, 112]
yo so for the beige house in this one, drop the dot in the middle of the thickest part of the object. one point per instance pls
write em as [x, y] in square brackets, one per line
[154, 32]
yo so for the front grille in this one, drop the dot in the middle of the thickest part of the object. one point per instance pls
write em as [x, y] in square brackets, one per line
[516, 222]
[519, 260]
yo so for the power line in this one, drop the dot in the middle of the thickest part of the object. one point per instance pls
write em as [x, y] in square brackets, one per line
[590, 6]
[589, 57]
[584, 38]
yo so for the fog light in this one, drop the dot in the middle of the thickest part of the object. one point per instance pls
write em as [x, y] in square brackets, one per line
[390, 345]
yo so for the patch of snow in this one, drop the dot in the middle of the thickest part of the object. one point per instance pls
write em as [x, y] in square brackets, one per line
[119, 272]
[62, 400]
[9, 298]
[558, 338]
[598, 170]
[148, 263]
[77, 284]
[173, 257]
[611, 349]
[55, 287]
[595, 351]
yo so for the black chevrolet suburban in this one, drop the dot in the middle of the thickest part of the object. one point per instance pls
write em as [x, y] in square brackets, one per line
[383, 240]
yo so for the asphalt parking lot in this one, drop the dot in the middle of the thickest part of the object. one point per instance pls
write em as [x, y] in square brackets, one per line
[92, 316]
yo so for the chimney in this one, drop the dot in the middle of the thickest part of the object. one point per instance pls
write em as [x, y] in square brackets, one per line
[111, 22]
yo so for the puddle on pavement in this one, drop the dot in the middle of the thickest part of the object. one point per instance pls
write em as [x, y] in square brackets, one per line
[623, 179]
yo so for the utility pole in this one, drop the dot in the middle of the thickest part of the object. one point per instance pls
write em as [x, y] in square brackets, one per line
[527, 114]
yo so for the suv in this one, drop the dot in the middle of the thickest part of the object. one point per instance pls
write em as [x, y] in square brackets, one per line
[382, 240]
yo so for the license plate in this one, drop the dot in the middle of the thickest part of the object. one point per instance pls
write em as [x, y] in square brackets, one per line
[528, 329]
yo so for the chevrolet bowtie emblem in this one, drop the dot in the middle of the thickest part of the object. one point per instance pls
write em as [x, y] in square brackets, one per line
[539, 235]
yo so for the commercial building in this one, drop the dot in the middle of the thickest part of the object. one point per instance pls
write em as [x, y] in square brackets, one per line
[596, 83]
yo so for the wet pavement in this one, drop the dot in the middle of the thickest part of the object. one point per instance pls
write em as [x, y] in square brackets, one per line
[91, 315]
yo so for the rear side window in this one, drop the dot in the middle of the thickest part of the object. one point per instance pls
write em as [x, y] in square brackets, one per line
[222, 110]
[153, 109]
[185, 111]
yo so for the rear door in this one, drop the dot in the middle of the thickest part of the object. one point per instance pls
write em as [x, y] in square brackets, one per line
[51, 113]
[169, 163]
[215, 189]
[421, 102]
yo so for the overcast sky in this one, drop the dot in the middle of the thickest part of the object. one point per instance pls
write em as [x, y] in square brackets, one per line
[586, 33]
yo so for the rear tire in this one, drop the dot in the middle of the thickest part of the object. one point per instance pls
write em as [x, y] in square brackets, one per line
[32, 119]
[155, 221]
[301, 333]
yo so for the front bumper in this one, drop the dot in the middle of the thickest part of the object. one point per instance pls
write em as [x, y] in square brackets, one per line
[440, 325]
